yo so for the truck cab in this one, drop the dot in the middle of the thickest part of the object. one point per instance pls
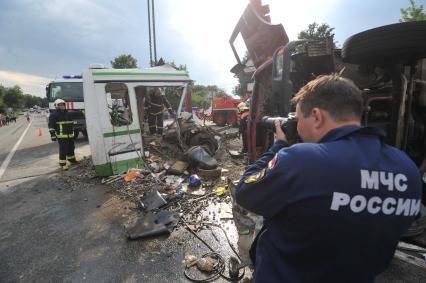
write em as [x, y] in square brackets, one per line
[70, 89]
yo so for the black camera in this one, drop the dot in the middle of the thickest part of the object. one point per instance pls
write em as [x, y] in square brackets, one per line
[288, 125]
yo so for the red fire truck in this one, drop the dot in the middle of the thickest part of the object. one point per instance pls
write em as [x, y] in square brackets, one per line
[224, 111]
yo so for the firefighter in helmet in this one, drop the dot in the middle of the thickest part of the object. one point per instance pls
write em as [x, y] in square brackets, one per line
[244, 112]
[61, 128]
[156, 101]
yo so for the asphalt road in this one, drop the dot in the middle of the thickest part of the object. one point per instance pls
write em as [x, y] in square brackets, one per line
[54, 229]
[34, 153]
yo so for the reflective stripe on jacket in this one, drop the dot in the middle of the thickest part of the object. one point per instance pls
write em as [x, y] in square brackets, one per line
[61, 125]
[156, 104]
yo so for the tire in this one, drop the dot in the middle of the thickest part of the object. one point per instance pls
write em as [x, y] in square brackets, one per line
[396, 42]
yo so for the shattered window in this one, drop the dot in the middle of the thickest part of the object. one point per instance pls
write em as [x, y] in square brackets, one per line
[241, 49]
[117, 96]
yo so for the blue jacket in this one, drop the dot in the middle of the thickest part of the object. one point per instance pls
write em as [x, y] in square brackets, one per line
[334, 210]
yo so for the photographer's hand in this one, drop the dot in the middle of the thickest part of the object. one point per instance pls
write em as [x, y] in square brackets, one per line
[279, 134]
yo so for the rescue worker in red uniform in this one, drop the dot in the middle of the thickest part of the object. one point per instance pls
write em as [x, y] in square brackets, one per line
[244, 113]
[156, 101]
[61, 128]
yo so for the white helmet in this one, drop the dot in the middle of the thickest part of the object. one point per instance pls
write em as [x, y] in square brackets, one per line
[59, 101]
[242, 106]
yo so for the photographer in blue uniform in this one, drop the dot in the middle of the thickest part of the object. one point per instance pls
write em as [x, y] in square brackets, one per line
[334, 206]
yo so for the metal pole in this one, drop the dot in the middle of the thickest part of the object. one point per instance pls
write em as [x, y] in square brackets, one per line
[149, 32]
[153, 32]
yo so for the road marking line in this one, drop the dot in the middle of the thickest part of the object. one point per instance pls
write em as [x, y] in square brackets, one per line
[12, 152]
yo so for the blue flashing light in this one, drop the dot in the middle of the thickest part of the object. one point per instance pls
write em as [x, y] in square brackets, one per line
[72, 77]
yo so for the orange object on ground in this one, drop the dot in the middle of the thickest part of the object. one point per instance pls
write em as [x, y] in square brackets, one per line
[131, 176]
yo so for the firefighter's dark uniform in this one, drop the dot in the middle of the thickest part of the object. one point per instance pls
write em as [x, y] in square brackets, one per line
[333, 211]
[61, 127]
[156, 105]
[243, 127]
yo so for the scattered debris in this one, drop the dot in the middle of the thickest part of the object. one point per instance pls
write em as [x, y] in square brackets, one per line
[196, 191]
[234, 269]
[111, 179]
[146, 226]
[178, 168]
[168, 218]
[173, 180]
[199, 157]
[132, 175]
[244, 231]
[235, 153]
[212, 174]
[190, 260]
[152, 200]
[220, 191]
[170, 187]
[225, 211]
[206, 264]
[194, 181]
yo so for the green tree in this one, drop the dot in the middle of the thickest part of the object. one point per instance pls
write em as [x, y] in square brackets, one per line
[241, 88]
[172, 94]
[2, 105]
[200, 100]
[13, 97]
[209, 90]
[44, 102]
[413, 13]
[202, 94]
[124, 61]
[317, 32]
[31, 100]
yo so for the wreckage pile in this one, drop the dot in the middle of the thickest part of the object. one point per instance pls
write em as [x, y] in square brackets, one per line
[186, 184]
[191, 190]
[174, 189]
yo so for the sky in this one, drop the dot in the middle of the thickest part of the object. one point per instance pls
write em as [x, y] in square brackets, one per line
[44, 39]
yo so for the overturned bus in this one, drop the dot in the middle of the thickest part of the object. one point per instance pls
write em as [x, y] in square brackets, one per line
[114, 103]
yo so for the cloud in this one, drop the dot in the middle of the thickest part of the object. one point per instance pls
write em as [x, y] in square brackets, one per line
[52, 38]
[200, 32]
[58, 37]
[297, 15]
[201, 38]
[31, 84]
